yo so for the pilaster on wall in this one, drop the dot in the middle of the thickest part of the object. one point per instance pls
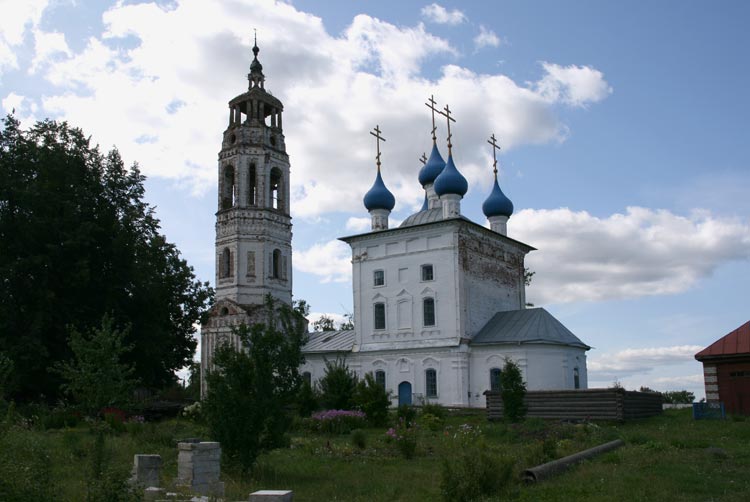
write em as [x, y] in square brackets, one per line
[710, 379]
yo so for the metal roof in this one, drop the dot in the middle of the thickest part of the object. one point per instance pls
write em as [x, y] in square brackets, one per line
[735, 343]
[330, 341]
[526, 326]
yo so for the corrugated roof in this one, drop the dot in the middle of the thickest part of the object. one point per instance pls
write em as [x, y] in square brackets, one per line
[330, 341]
[734, 343]
[526, 326]
[426, 216]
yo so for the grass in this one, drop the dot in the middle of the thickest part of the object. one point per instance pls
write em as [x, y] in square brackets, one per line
[670, 457]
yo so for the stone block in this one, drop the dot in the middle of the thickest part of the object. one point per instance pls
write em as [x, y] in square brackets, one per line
[272, 496]
[153, 493]
[146, 470]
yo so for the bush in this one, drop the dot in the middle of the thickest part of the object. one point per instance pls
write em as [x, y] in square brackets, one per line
[475, 472]
[359, 439]
[513, 390]
[337, 386]
[433, 409]
[337, 421]
[373, 399]
[430, 422]
[406, 413]
[307, 400]
[405, 437]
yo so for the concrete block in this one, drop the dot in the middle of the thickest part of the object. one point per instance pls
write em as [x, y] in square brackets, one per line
[153, 493]
[146, 470]
[272, 496]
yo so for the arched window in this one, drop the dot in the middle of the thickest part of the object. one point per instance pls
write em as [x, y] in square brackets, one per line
[576, 378]
[380, 378]
[225, 264]
[430, 383]
[228, 188]
[276, 198]
[495, 379]
[307, 377]
[276, 264]
[379, 315]
[428, 311]
[252, 187]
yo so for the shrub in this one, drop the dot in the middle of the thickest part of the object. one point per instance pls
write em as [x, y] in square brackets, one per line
[430, 422]
[337, 421]
[359, 439]
[59, 418]
[434, 409]
[475, 472]
[337, 386]
[406, 413]
[404, 435]
[513, 390]
[193, 411]
[373, 399]
[307, 400]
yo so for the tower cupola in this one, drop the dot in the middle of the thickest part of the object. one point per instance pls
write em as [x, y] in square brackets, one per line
[256, 77]
[378, 200]
[497, 207]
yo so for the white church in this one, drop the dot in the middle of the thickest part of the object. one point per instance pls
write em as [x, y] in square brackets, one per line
[439, 301]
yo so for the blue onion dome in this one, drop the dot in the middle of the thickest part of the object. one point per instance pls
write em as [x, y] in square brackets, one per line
[450, 180]
[378, 197]
[432, 168]
[424, 205]
[497, 204]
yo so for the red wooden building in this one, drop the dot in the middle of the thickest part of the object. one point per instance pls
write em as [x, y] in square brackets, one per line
[726, 370]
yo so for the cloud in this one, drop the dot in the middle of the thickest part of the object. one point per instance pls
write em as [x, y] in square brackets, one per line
[639, 253]
[486, 38]
[47, 46]
[14, 23]
[331, 261]
[335, 88]
[572, 85]
[338, 319]
[356, 224]
[440, 15]
[632, 362]
[678, 382]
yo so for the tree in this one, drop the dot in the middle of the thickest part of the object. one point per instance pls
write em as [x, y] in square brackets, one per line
[337, 386]
[678, 397]
[324, 323]
[372, 398]
[250, 390]
[97, 376]
[348, 323]
[77, 241]
[512, 391]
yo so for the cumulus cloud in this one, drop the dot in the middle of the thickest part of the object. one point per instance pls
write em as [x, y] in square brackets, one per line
[630, 362]
[331, 261]
[486, 38]
[356, 224]
[573, 85]
[47, 46]
[639, 253]
[122, 87]
[14, 23]
[440, 15]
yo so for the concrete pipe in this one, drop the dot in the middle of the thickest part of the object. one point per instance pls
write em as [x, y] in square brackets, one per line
[544, 471]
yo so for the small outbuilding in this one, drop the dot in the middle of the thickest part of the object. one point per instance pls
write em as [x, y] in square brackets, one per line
[726, 370]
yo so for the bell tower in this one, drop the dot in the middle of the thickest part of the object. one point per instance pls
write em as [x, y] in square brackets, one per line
[253, 226]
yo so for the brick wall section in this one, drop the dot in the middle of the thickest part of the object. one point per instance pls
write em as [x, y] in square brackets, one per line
[199, 468]
[711, 382]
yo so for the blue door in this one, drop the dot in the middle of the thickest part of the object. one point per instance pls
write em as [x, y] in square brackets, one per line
[404, 393]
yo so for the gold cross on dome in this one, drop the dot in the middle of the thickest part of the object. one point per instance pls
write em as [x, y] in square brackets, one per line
[431, 105]
[378, 138]
[495, 147]
[447, 115]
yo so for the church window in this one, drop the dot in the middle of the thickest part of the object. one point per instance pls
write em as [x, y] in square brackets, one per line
[379, 315]
[430, 383]
[252, 186]
[576, 379]
[251, 263]
[307, 377]
[427, 273]
[276, 197]
[228, 188]
[380, 378]
[495, 379]
[428, 310]
[224, 311]
[378, 278]
[225, 264]
[276, 264]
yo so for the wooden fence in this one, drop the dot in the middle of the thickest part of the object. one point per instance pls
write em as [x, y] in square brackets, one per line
[588, 404]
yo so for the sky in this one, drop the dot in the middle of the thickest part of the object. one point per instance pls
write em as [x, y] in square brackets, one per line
[623, 128]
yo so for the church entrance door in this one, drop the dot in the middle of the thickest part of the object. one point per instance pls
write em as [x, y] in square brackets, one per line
[404, 393]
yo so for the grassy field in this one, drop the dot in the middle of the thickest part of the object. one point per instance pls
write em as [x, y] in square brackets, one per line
[670, 458]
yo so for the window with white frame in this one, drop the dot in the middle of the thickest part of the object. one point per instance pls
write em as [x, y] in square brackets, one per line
[378, 278]
[428, 312]
[430, 383]
[428, 273]
[495, 379]
[379, 315]
[576, 378]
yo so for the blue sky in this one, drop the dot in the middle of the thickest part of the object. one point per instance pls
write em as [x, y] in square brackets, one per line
[623, 126]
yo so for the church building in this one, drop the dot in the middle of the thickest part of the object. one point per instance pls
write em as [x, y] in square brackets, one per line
[439, 301]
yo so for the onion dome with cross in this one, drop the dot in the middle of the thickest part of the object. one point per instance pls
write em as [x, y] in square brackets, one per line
[497, 204]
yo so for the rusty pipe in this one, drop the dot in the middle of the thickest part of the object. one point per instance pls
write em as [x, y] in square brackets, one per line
[544, 471]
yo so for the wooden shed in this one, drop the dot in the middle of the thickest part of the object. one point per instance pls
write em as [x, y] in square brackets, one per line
[726, 370]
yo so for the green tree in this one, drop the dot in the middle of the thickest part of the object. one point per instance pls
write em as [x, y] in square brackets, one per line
[678, 397]
[324, 323]
[77, 240]
[348, 323]
[6, 370]
[250, 390]
[512, 391]
[337, 386]
[97, 376]
[372, 398]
